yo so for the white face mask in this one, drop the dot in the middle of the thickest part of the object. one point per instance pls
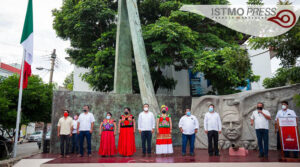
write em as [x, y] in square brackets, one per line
[283, 107]
[108, 117]
[146, 109]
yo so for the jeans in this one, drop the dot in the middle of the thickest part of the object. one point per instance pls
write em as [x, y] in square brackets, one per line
[146, 137]
[185, 139]
[64, 139]
[213, 138]
[88, 136]
[75, 143]
[286, 153]
[263, 141]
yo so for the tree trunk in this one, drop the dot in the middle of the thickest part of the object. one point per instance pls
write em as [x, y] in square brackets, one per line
[43, 141]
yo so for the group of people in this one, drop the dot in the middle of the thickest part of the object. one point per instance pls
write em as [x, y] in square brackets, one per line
[260, 119]
[82, 127]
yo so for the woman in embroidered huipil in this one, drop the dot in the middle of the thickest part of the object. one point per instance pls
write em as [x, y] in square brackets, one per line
[164, 130]
[107, 132]
[126, 145]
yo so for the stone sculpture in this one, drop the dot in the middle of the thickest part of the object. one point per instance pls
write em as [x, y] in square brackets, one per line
[235, 111]
[129, 34]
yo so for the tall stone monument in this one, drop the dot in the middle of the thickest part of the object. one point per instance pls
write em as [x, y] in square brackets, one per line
[129, 35]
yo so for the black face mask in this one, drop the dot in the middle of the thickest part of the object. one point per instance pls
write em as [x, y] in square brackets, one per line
[164, 111]
[259, 108]
[126, 113]
[84, 110]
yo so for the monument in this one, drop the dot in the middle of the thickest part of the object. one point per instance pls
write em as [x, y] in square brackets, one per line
[129, 34]
[235, 111]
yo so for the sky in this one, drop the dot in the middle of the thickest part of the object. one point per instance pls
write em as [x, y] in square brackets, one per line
[12, 15]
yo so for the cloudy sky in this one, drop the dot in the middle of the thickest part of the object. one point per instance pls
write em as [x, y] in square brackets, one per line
[12, 14]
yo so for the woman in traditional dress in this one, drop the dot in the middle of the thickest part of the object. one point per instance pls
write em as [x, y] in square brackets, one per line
[108, 129]
[164, 130]
[126, 145]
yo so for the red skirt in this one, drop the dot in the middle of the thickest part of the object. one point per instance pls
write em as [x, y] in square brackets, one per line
[164, 136]
[126, 144]
[107, 144]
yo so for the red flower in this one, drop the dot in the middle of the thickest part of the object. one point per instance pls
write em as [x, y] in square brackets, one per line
[167, 119]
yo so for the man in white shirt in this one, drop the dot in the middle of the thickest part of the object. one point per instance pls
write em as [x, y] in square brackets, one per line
[64, 132]
[75, 137]
[189, 126]
[212, 127]
[284, 112]
[260, 118]
[146, 126]
[85, 127]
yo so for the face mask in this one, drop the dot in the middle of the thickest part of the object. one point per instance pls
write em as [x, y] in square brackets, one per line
[283, 107]
[164, 111]
[126, 113]
[259, 108]
[108, 117]
[210, 109]
[146, 109]
[84, 110]
[66, 114]
[188, 113]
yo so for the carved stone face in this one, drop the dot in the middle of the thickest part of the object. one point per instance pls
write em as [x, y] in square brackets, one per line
[232, 125]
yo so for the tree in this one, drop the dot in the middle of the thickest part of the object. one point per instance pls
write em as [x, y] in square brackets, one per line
[172, 37]
[283, 77]
[286, 46]
[255, 2]
[69, 81]
[36, 101]
[227, 69]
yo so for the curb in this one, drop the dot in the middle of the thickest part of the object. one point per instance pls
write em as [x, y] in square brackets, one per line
[10, 162]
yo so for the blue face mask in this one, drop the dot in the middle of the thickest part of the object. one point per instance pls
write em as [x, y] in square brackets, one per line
[188, 113]
[210, 109]
[108, 117]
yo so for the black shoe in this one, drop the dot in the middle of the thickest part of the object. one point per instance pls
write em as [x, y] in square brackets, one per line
[266, 156]
[217, 154]
[210, 155]
[144, 154]
[192, 154]
[260, 156]
[183, 154]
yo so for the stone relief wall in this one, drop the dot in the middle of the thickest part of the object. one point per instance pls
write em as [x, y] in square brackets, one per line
[235, 111]
[100, 103]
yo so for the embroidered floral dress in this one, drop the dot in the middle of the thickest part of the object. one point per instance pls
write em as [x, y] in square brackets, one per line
[164, 139]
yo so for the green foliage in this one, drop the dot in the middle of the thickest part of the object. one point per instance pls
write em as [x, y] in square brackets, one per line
[36, 101]
[69, 81]
[286, 45]
[297, 100]
[283, 76]
[172, 38]
[227, 69]
[255, 2]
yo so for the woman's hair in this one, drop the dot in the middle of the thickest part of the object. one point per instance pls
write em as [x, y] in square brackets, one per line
[109, 113]
[127, 109]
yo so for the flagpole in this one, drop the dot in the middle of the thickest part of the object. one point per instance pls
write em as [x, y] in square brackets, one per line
[19, 106]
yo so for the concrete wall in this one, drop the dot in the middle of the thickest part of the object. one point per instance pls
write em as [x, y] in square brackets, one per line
[101, 103]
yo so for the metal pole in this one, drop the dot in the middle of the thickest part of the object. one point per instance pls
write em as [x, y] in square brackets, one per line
[53, 57]
[19, 106]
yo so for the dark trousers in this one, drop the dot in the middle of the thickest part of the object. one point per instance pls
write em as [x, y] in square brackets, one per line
[263, 141]
[146, 137]
[185, 139]
[213, 138]
[75, 143]
[286, 153]
[88, 136]
[64, 139]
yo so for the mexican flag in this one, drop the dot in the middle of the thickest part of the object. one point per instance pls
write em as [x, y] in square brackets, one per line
[27, 42]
